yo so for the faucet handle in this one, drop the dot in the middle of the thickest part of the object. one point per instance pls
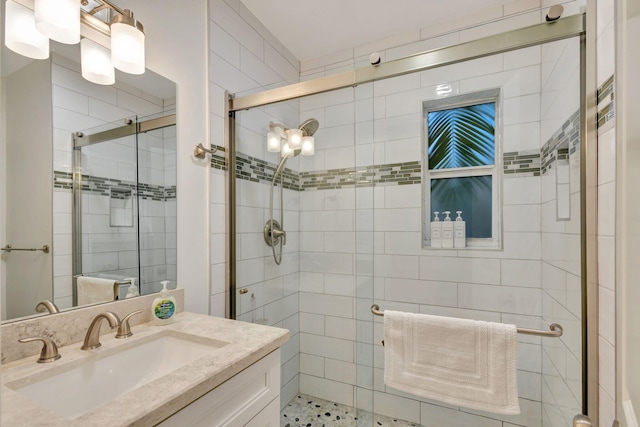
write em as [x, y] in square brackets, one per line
[124, 330]
[49, 351]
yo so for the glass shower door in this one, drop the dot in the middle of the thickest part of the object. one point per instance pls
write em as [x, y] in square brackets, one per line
[322, 288]
[513, 173]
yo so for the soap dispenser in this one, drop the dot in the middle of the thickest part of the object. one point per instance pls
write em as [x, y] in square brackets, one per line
[447, 231]
[459, 232]
[132, 290]
[164, 307]
[436, 231]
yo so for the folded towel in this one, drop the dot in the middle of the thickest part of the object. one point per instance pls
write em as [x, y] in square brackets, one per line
[92, 290]
[457, 361]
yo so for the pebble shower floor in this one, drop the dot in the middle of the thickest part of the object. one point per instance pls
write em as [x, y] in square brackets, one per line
[309, 411]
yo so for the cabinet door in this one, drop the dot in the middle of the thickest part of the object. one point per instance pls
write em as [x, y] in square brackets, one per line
[268, 417]
[237, 401]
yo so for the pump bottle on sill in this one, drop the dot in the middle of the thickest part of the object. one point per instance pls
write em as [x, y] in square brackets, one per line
[459, 232]
[447, 231]
[164, 307]
[436, 231]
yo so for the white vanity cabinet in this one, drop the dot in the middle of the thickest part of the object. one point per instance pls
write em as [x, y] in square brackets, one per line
[250, 398]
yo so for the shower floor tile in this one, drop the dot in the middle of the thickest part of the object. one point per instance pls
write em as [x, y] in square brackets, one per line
[309, 411]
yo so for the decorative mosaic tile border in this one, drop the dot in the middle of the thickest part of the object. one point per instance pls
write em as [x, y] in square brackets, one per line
[385, 174]
[520, 164]
[606, 93]
[523, 163]
[249, 168]
[568, 134]
[102, 186]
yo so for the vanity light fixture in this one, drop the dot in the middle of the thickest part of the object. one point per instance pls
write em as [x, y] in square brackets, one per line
[274, 143]
[308, 146]
[127, 43]
[58, 20]
[96, 63]
[291, 142]
[27, 32]
[21, 34]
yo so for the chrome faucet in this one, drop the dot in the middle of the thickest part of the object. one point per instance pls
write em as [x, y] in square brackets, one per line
[92, 339]
[49, 351]
[46, 305]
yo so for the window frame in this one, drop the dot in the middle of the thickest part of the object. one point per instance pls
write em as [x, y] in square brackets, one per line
[495, 170]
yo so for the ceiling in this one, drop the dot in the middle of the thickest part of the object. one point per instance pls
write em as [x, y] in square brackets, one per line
[314, 28]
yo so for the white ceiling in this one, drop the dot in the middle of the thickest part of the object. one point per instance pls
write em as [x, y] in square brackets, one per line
[314, 28]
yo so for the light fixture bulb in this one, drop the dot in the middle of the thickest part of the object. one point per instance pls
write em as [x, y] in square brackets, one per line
[286, 151]
[127, 44]
[273, 142]
[21, 34]
[294, 138]
[58, 19]
[308, 146]
[96, 63]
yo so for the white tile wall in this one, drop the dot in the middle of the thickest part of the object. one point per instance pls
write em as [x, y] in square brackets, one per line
[335, 238]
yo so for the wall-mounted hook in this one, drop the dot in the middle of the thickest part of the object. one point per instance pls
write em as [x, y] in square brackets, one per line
[199, 151]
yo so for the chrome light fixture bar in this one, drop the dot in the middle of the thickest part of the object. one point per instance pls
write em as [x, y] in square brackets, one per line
[117, 43]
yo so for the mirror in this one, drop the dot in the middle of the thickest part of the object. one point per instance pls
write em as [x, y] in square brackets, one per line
[115, 218]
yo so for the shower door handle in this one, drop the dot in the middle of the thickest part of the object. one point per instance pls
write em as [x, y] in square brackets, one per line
[581, 421]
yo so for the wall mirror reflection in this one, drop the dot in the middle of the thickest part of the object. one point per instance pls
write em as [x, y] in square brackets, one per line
[70, 149]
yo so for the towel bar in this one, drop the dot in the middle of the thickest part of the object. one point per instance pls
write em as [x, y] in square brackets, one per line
[554, 332]
[9, 248]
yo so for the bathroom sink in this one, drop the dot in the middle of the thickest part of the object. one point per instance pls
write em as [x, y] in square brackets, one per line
[107, 373]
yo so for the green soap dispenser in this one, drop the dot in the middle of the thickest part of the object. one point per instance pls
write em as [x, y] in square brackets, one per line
[164, 307]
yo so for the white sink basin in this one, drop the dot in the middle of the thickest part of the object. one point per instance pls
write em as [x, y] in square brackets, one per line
[83, 385]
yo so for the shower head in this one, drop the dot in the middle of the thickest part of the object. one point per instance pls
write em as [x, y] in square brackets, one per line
[309, 127]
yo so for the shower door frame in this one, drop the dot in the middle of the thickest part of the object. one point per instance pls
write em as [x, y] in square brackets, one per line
[583, 26]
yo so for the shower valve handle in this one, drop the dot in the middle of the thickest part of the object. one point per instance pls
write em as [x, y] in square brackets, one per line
[280, 233]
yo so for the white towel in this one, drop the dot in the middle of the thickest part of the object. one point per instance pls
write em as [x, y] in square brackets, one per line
[457, 361]
[92, 290]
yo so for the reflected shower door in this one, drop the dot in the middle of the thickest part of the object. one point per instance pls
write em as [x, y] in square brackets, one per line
[125, 203]
[106, 225]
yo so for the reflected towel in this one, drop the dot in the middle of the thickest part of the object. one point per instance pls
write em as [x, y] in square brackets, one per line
[457, 361]
[92, 290]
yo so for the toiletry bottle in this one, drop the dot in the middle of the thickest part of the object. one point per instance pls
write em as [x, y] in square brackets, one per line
[436, 231]
[164, 307]
[447, 231]
[459, 232]
[132, 290]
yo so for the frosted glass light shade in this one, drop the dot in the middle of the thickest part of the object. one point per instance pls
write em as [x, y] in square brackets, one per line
[294, 138]
[286, 151]
[308, 146]
[58, 19]
[127, 45]
[21, 35]
[273, 142]
[96, 63]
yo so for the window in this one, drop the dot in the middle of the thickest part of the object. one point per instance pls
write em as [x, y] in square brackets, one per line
[462, 159]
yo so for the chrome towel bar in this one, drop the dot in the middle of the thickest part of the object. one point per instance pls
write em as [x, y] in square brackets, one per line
[9, 248]
[554, 332]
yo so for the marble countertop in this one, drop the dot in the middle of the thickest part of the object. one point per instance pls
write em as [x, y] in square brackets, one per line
[155, 401]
